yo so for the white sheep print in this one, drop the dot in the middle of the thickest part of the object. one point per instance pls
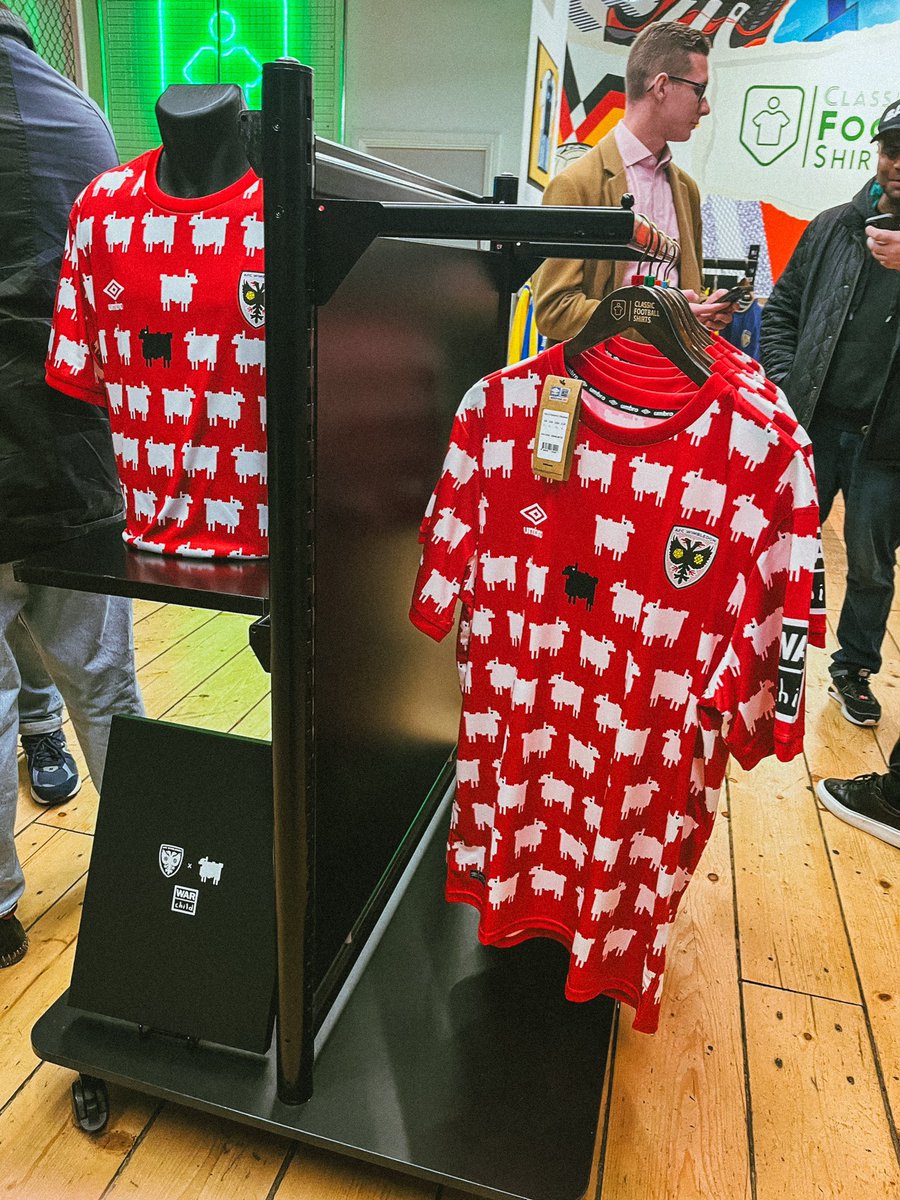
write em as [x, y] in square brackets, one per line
[160, 317]
[622, 633]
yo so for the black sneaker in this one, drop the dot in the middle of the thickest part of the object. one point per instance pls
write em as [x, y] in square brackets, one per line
[861, 803]
[852, 692]
[13, 940]
[51, 768]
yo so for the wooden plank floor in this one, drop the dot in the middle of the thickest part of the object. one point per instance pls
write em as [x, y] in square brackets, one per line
[776, 1071]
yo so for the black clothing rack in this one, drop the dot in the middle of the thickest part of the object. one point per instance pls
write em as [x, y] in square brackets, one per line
[387, 1002]
[733, 268]
[312, 244]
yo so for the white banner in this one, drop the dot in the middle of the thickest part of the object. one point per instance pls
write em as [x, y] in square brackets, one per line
[792, 124]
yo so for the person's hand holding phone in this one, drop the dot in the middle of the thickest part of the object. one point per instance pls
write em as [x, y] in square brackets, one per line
[714, 311]
[883, 239]
[739, 294]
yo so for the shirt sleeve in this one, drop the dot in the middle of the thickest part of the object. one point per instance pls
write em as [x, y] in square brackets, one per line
[449, 531]
[73, 360]
[759, 684]
[801, 479]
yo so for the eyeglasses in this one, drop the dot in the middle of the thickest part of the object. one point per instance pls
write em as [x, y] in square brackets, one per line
[699, 88]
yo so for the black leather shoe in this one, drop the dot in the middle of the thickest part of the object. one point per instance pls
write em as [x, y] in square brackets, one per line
[13, 941]
[861, 803]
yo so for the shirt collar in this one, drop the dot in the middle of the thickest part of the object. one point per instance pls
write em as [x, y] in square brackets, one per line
[634, 151]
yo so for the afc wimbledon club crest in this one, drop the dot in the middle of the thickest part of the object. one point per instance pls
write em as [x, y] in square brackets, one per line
[252, 298]
[689, 553]
[170, 858]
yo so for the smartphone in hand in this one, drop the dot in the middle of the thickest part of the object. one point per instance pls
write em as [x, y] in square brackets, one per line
[741, 291]
[884, 221]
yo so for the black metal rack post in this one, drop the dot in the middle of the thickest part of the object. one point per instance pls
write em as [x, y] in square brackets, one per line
[288, 153]
[506, 190]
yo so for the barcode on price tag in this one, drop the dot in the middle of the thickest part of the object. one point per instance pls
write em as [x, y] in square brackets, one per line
[552, 435]
[556, 428]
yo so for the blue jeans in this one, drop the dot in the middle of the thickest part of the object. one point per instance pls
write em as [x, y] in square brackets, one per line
[86, 644]
[40, 704]
[871, 534]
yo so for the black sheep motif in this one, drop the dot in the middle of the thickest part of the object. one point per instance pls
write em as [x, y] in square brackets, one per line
[156, 345]
[580, 586]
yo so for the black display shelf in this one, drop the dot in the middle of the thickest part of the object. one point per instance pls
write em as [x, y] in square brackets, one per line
[445, 1060]
[101, 562]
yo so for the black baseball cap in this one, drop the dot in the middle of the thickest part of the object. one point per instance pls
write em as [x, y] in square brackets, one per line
[890, 121]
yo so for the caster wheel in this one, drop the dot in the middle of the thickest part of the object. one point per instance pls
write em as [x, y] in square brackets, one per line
[90, 1100]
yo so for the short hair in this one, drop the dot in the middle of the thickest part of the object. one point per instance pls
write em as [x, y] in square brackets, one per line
[663, 46]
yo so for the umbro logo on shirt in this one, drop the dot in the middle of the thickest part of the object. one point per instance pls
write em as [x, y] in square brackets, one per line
[113, 291]
[535, 515]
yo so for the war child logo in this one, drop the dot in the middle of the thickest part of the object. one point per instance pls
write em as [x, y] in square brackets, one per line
[184, 900]
[791, 669]
[689, 555]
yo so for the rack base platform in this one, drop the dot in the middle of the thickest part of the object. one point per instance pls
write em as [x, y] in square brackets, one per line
[449, 1061]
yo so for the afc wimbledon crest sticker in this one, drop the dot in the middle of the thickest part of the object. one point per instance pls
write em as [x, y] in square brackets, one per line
[252, 298]
[170, 858]
[689, 554]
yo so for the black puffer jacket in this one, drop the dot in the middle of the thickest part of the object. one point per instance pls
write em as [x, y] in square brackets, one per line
[803, 318]
[57, 469]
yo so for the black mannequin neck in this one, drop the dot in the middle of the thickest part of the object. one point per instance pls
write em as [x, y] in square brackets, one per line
[202, 148]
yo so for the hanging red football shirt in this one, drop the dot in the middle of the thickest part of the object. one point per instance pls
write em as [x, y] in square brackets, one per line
[627, 629]
[647, 368]
[160, 317]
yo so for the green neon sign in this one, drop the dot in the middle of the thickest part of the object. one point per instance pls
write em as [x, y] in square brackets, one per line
[149, 44]
[220, 45]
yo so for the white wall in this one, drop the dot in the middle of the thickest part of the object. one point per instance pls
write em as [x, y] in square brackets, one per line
[439, 73]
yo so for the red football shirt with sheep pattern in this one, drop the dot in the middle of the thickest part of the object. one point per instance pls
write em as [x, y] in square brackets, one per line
[626, 632]
[160, 317]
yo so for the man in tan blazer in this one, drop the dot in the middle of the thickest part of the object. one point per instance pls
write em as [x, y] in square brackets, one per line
[665, 83]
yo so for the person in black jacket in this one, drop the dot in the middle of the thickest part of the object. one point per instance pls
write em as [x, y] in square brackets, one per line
[830, 339]
[57, 470]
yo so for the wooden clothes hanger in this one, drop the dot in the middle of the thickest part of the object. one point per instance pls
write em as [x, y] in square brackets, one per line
[659, 321]
[697, 335]
[658, 314]
[693, 333]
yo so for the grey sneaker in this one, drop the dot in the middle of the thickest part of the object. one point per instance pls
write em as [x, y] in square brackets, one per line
[51, 768]
[861, 803]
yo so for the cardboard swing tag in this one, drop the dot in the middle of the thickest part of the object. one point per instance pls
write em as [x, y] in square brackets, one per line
[557, 422]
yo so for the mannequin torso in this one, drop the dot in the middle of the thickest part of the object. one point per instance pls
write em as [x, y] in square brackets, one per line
[200, 128]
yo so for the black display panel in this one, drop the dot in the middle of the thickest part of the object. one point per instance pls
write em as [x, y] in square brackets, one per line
[178, 931]
[409, 330]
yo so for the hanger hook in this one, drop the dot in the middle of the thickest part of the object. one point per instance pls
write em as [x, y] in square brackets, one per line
[655, 248]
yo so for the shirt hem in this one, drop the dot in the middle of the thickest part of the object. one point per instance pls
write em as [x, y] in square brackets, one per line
[516, 932]
[425, 625]
[73, 389]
